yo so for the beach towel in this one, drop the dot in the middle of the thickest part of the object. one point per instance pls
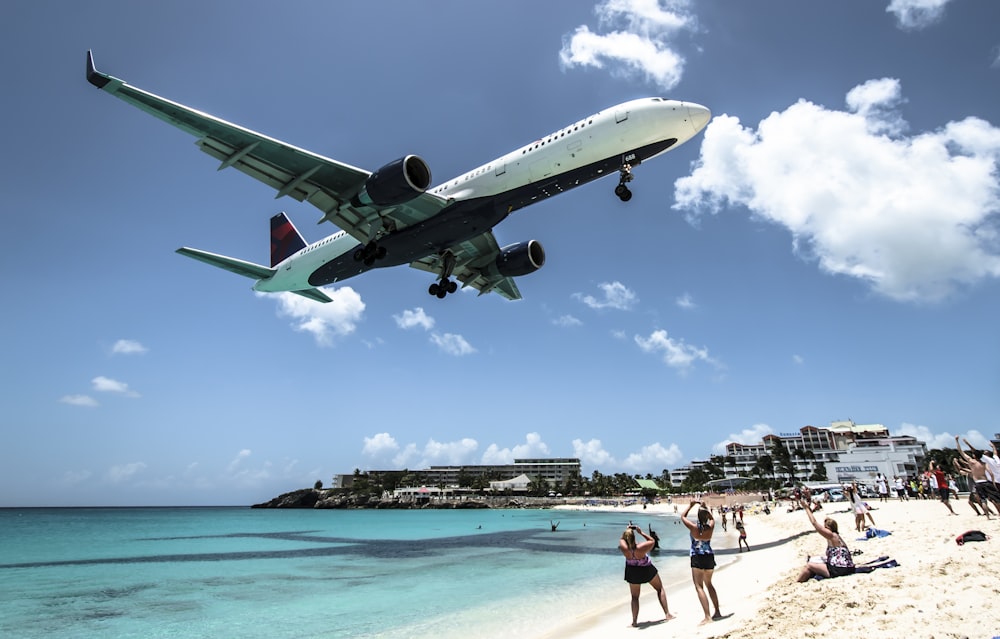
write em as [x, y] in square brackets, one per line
[971, 535]
[871, 533]
[869, 566]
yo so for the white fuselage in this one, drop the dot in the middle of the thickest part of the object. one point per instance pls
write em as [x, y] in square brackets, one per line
[607, 134]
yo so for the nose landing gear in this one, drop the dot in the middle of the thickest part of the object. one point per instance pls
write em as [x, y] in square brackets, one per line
[369, 253]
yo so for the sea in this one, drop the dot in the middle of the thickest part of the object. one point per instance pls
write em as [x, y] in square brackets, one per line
[289, 573]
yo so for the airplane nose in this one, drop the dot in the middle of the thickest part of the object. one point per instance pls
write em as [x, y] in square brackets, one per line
[698, 115]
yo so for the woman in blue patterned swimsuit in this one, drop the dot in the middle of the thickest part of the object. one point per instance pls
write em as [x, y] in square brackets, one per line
[640, 570]
[702, 558]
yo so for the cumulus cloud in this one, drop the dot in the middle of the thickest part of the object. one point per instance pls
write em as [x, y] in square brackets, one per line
[533, 447]
[686, 302]
[653, 456]
[676, 353]
[107, 385]
[240, 457]
[435, 453]
[916, 14]
[124, 472]
[592, 453]
[566, 321]
[617, 296]
[413, 319]
[634, 38]
[379, 444]
[452, 344]
[944, 439]
[127, 347]
[79, 400]
[324, 322]
[915, 217]
[751, 435]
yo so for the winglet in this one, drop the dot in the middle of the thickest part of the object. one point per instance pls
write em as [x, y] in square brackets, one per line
[95, 77]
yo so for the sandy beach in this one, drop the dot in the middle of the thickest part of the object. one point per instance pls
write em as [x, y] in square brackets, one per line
[940, 589]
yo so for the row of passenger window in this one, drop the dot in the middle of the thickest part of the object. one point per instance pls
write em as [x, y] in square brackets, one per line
[555, 136]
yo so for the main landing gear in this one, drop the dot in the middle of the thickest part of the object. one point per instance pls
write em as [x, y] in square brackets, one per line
[369, 253]
[625, 176]
[445, 284]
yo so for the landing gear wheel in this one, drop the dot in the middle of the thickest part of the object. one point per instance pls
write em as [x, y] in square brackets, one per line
[452, 286]
[623, 193]
[433, 289]
[359, 254]
[441, 293]
[369, 253]
[380, 253]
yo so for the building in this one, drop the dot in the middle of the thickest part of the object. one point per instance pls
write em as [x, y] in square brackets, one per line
[556, 471]
[839, 448]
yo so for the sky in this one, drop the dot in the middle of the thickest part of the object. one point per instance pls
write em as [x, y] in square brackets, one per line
[827, 248]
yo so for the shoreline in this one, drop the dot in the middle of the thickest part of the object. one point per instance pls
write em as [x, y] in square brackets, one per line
[934, 592]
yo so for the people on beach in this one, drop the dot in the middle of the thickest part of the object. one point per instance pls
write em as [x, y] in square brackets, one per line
[882, 487]
[975, 501]
[900, 485]
[742, 529]
[702, 558]
[639, 569]
[838, 560]
[983, 477]
[860, 508]
[942, 485]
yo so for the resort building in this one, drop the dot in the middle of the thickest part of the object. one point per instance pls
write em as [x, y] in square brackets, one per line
[556, 471]
[846, 451]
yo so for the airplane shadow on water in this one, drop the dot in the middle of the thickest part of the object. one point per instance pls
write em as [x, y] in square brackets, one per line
[371, 548]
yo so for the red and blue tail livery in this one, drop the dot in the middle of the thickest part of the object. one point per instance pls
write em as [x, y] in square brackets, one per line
[285, 239]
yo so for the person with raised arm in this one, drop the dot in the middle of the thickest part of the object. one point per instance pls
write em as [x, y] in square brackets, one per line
[639, 569]
[702, 558]
[838, 560]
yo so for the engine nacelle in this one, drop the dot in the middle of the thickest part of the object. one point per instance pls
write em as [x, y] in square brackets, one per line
[395, 183]
[521, 258]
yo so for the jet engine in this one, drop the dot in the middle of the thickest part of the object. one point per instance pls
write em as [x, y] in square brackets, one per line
[521, 258]
[395, 183]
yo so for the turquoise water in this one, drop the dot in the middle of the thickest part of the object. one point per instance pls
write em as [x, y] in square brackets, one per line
[237, 572]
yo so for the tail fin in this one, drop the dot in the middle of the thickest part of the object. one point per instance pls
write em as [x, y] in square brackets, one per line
[285, 238]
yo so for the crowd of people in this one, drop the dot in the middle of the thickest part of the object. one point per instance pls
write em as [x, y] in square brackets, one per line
[980, 467]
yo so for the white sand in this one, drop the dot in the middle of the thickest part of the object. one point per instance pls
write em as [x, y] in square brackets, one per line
[940, 589]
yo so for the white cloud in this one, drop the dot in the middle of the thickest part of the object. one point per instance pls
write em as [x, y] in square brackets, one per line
[379, 444]
[944, 439]
[128, 347]
[338, 318]
[533, 447]
[749, 436]
[676, 353]
[435, 453]
[914, 217]
[452, 344]
[415, 318]
[634, 38]
[916, 14]
[616, 296]
[592, 453]
[686, 302]
[567, 321]
[240, 456]
[798, 359]
[124, 472]
[653, 458]
[107, 385]
[79, 400]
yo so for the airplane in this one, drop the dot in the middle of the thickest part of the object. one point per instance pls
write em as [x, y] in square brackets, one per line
[393, 216]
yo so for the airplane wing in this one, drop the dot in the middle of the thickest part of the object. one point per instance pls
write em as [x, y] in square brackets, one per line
[475, 266]
[326, 184]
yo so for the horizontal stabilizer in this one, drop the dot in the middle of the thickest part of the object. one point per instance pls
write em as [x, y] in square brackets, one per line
[240, 267]
[314, 294]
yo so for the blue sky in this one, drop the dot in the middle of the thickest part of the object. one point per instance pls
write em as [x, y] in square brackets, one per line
[828, 248]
